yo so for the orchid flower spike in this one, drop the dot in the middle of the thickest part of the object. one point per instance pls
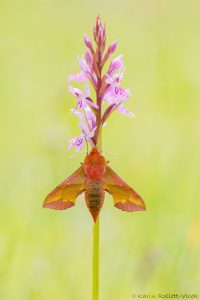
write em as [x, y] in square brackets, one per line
[107, 88]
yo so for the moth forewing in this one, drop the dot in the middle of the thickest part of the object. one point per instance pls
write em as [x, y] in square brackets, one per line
[65, 194]
[125, 198]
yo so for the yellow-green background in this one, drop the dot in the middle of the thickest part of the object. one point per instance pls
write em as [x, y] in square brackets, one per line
[45, 254]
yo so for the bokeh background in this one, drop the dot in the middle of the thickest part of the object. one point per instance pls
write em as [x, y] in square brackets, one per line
[46, 254]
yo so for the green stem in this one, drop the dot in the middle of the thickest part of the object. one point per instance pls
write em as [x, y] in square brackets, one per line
[95, 291]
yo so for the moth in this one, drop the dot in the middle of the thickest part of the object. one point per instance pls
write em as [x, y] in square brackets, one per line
[93, 178]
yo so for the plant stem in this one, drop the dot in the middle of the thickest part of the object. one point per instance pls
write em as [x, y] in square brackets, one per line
[95, 291]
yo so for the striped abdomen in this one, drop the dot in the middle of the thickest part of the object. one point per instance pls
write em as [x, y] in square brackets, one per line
[94, 197]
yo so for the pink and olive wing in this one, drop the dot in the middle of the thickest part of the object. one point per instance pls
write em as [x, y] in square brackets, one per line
[125, 198]
[65, 194]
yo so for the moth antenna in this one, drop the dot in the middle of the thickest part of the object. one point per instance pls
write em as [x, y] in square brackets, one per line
[74, 155]
[112, 153]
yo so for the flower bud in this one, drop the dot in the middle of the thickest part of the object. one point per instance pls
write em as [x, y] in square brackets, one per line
[89, 58]
[87, 41]
[116, 64]
[112, 47]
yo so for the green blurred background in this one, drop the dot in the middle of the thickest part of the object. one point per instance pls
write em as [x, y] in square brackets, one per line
[45, 254]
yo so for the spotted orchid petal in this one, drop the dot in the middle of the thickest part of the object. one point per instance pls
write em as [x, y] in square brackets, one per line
[124, 111]
[87, 117]
[79, 95]
[87, 134]
[79, 77]
[85, 68]
[90, 117]
[115, 79]
[116, 94]
[87, 123]
[83, 98]
[88, 70]
[77, 143]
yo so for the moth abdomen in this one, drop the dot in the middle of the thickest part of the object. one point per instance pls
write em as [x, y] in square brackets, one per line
[94, 197]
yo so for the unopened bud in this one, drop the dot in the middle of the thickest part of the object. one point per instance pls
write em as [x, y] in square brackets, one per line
[87, 41]
[116, 64]
[112, 47]
[88, 57]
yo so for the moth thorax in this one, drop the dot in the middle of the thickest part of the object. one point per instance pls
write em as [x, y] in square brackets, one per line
[94, 165]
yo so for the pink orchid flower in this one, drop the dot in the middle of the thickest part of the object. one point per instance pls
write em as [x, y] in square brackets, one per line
[88, 126]
[87, 70]
[83, 98]
[115, 94]
[77, 143]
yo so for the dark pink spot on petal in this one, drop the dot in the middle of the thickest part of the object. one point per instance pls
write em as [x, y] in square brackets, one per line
[116, 90]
